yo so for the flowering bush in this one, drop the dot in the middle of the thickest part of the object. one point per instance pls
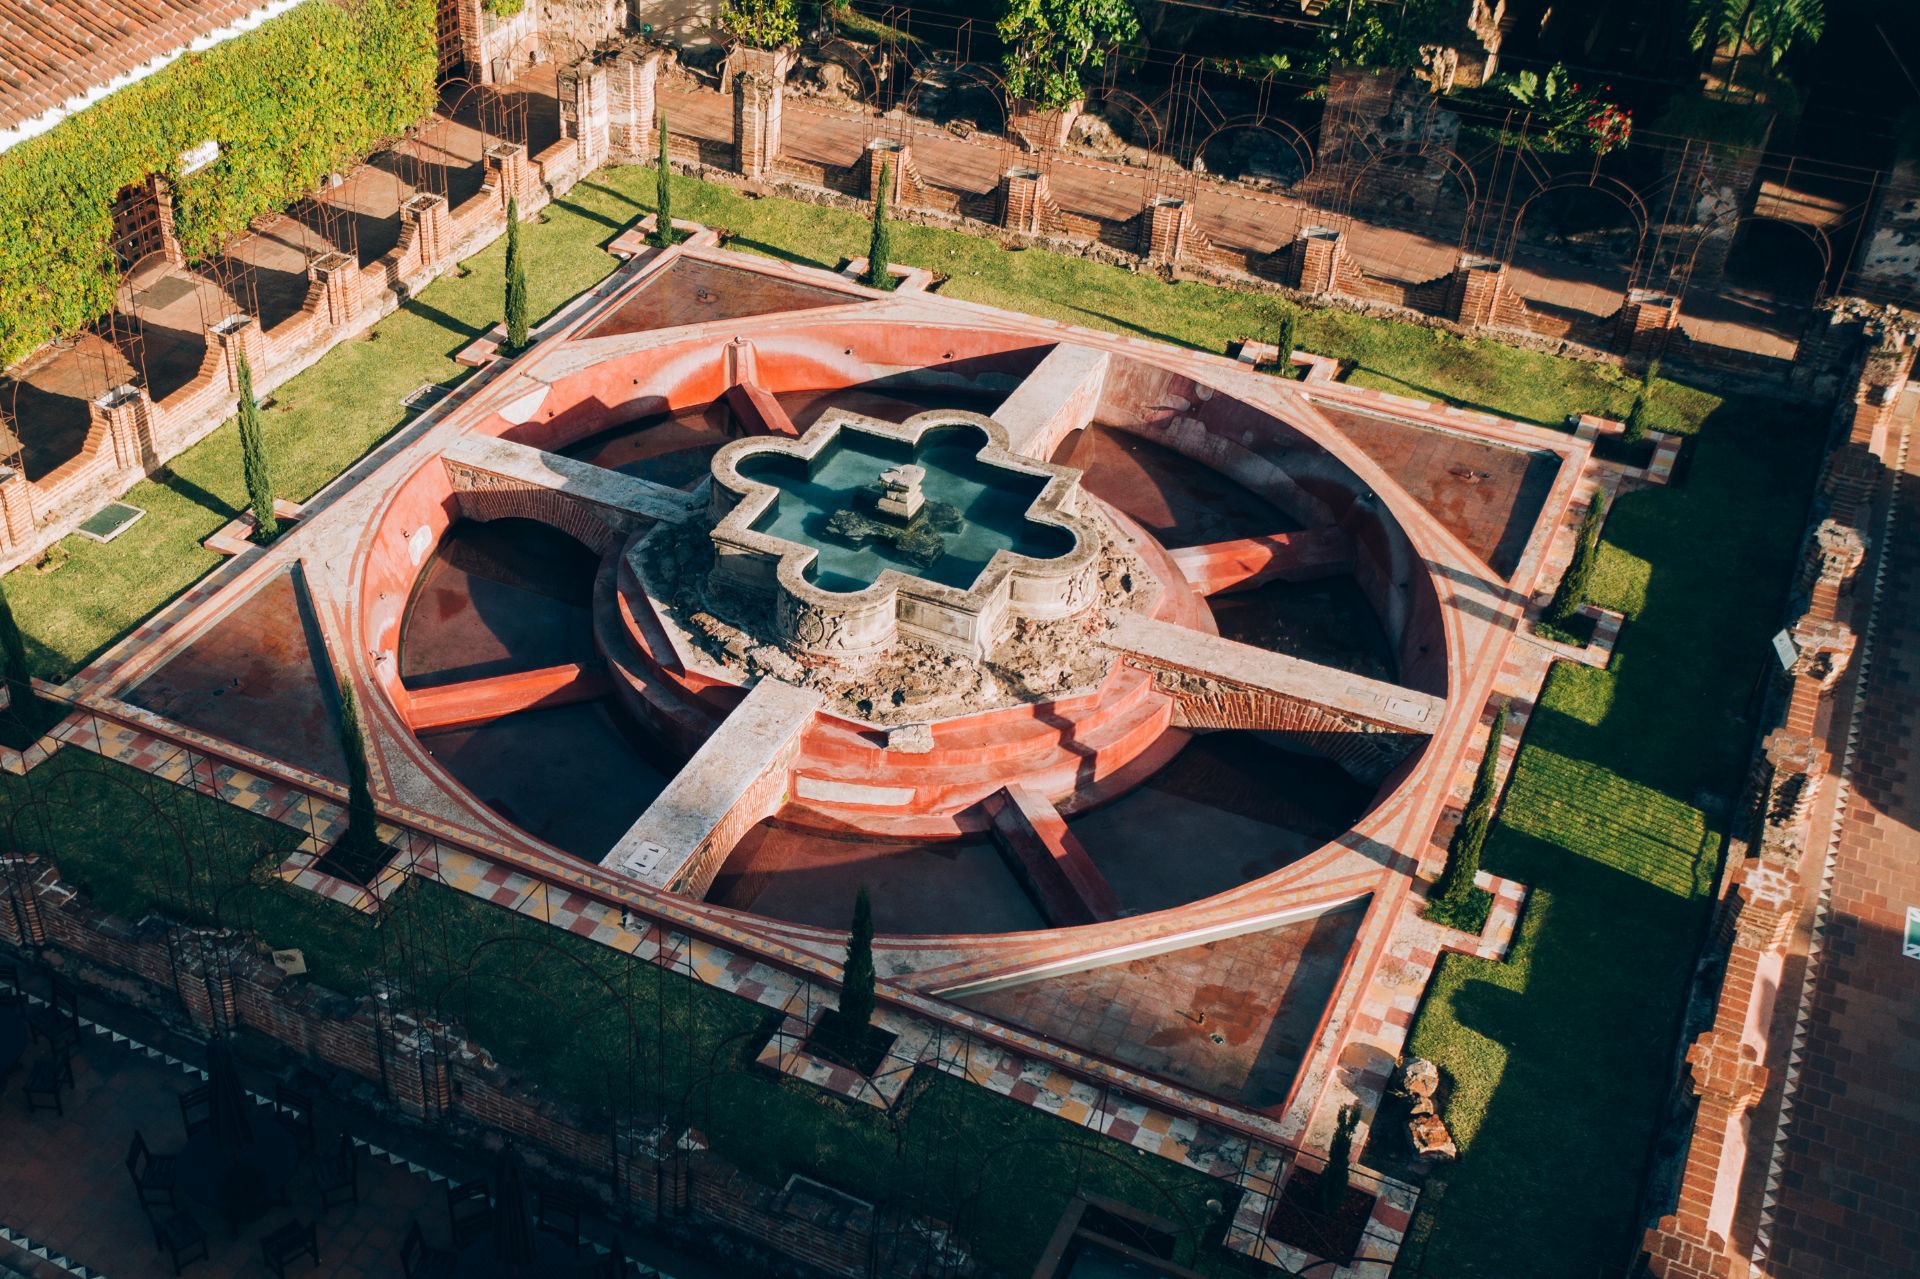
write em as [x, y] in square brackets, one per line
[1564, 116]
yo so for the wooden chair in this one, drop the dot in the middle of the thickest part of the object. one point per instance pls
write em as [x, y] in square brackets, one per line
[286, 1244]
[294, 1110]
[196, 1110]
[559, 1214]
[418, 1261]
[153, 1175]
[338, 1175]
[181, 1237]
[45, 1081]
[469, 1212]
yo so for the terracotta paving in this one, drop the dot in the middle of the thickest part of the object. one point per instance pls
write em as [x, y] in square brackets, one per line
[497, 598]
[1849, 1170]
[1179, 501]
[1488, 497]
[259, 678]
[1232, 1018]
[690, 291]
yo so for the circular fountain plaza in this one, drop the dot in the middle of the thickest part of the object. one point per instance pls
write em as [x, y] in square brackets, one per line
[1133, 683]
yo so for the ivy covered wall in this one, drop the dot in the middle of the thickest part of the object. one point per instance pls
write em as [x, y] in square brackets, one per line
[304, 95]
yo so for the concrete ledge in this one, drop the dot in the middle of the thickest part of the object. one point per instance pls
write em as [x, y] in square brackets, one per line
[472, 701]
[236, 536]
[1065, 883]
[1243, 564]
[1059, 397]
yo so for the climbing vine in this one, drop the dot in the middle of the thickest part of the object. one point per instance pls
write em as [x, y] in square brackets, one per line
[304, 95]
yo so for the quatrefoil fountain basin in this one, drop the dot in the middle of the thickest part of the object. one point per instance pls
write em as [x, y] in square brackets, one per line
[863, 530]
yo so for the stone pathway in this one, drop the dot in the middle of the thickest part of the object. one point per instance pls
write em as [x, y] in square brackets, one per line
[1843, 1196]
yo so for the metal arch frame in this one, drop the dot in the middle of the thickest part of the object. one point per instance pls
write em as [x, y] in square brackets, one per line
[972, 74]
[1507, 234]
[1268, 123]
[1453, 164]
[235, 281]
[1139, 112]
[1817, 237]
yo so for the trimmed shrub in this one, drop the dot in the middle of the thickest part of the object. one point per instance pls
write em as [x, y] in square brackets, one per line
[856, 980]
[880, 242]
[253, 460]
[1572, 591]
[663, 233]
[362, 838]
[516, 280]
[308, 93]
[1454, 895]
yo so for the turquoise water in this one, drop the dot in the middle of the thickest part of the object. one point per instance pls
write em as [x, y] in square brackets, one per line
[992, 503]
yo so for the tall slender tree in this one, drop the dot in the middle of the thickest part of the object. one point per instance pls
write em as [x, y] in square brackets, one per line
[856, 979]
[1571, 593]
[516, 280]
[253, 458]
[663, 232]
[1283, 336]
[880, 242]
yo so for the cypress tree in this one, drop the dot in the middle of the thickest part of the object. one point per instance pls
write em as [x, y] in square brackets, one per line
[516, 280]
[663, 233]
[1572, 591]
[1333, 1181]
[880, 243]
[856, 980]
[253, 459]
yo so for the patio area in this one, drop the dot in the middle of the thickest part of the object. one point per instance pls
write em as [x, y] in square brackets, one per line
[69, 1206]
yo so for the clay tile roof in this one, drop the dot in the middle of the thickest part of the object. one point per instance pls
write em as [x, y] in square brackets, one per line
[53, 52]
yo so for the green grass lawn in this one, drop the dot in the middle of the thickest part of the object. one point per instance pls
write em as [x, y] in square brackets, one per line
[1558, 1058]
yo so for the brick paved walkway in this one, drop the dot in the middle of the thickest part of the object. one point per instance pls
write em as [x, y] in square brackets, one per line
[1848, 1198]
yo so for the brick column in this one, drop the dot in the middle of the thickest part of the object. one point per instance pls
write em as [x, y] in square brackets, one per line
[1474, 292]
[1883, 376]
[582, 92]
[1834, 554]
[1646, 320]
[238, 335]
[757, 101]
[339, 279]
[896, 156]
[509, 173]
[632, 80]
[1848, 480]
[16, 509]
[1023, 200]
[126, 412]
[469, 38]
[1169, 226]
[1318, 253]
[426, 216]
[163, 220]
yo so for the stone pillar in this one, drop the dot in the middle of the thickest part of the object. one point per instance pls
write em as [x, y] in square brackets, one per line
[895, 156]
[1318, 253]
[632, 80]
[1883, 376]
[757, 101]
[426, 216]
[339, 279]
[582, 92]
[1169, 227]
[509, 173]
[239, 335]
[1834, 554]
[1646, 320]
[16, 509]
[677, 1194]
[163, 220]
[1023, 200]
[1474, 292]
[757, 79]
[126, 415]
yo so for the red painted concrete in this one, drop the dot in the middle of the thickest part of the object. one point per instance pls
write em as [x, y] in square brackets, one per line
[1047, 857]
[758, 411]
[471, 702]
[1249, 562]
